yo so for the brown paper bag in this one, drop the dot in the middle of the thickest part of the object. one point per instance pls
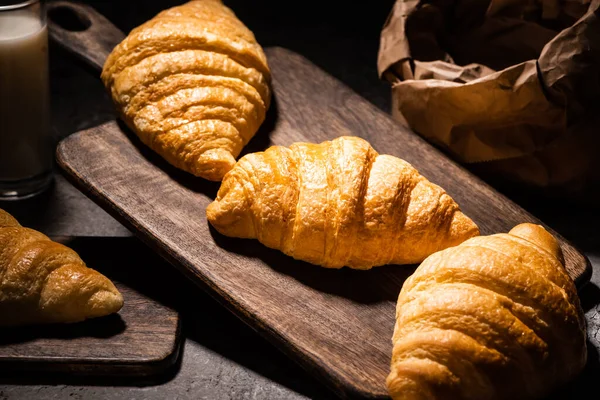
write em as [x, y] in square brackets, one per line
[507, 86]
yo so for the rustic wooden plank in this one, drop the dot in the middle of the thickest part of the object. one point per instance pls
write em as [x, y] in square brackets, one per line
[336, 323]
[143, 339]
[82, 31]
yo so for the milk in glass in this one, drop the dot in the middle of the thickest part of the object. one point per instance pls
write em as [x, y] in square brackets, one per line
[25, 144]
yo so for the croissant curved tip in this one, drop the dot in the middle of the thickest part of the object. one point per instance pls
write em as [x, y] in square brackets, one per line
[214, 164]
[230, 213]
[462, 228]
[74, 293]
[104, 302]
[7, 220]
[538, 235]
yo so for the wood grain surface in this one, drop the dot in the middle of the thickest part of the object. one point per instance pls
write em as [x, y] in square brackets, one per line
[82, 31]
[336, 323]
[143, 339]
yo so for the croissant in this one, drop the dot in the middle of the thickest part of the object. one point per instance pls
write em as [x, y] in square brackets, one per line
[337, 204]
[193, 84]
[42, 281]
[496, 317]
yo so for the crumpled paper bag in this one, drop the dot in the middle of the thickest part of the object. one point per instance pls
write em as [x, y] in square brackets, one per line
[509, 86]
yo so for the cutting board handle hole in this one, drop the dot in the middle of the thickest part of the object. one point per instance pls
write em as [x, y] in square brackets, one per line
[69, 19]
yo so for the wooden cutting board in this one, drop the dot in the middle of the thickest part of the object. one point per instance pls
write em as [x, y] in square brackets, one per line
[143, 339]
[336, 323]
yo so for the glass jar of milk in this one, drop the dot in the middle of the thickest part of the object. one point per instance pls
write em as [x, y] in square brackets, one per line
[26, 151]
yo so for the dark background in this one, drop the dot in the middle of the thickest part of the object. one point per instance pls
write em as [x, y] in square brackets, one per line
[222, 358]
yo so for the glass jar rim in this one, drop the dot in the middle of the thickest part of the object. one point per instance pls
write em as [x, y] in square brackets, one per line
[20, 4]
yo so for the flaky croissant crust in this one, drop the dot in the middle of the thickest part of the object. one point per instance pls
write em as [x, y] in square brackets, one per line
[193, 84]
[338, 203]
[496, 317]
[42, 281]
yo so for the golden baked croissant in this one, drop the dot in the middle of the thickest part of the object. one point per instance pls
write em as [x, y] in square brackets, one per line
[338, 204]
[496, 317]
[42, 281]
[193, 84]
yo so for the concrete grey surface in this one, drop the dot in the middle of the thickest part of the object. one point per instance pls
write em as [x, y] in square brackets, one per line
[222, 358]
[64, 211]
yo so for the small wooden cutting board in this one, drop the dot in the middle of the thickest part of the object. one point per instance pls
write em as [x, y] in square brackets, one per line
[142, 340]
[337, 323]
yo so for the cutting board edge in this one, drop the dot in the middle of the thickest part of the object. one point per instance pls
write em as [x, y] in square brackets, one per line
[95, 367]
[159, 358]
[586, 276]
